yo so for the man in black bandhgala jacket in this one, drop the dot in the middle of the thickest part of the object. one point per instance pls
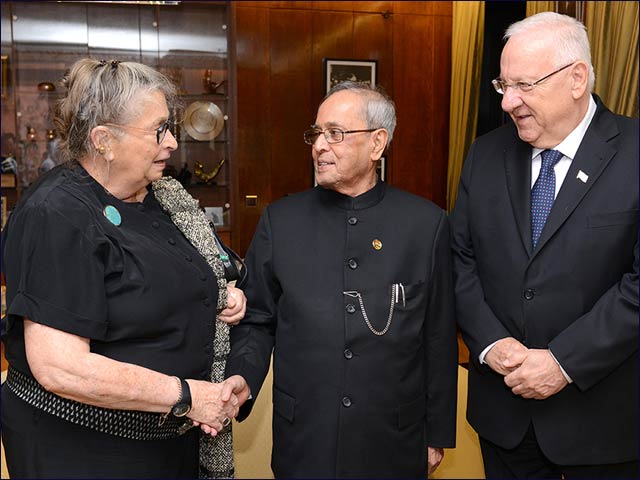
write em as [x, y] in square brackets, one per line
[350, 285]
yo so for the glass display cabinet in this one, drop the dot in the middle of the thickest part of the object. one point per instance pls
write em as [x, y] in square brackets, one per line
[187, 41]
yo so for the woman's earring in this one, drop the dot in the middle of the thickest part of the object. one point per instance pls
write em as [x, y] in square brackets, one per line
[101, 150]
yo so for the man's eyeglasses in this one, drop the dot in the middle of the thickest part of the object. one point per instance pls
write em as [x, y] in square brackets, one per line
[331, 135]
[161, 131]
[501, 86]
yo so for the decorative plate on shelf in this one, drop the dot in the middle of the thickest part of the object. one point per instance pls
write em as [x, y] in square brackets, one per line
[203, 120]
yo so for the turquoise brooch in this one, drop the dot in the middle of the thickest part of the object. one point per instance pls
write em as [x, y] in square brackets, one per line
[113, 215]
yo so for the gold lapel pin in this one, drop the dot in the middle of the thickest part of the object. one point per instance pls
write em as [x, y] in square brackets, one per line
[377, 244]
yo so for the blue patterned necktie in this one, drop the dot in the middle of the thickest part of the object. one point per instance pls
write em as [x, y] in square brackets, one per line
[543, 193]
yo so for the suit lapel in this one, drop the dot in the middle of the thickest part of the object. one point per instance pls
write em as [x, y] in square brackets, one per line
[592, 157]
[517, 167]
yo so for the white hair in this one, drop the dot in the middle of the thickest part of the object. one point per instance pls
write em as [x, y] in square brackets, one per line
[570, 38]
[380, 109]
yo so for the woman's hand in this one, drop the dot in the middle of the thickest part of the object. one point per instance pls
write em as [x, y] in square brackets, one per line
[236, 306]
[208, 406]
[215, 404]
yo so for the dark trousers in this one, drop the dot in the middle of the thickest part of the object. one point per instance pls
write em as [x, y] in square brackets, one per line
[527, 461]
[39, 445]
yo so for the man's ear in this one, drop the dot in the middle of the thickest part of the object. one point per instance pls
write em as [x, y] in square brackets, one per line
[580, 79]
[380, 139]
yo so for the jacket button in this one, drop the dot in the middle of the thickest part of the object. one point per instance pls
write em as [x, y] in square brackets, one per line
[171, 241]
[529, 294]
[188, 258]
[352, 220]
[353, 263]
[348, 354]
[155, 224]
[206, 302]
[346, 401]
[351, 308]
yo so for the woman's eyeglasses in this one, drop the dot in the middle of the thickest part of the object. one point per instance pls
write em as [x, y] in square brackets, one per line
[161, 131]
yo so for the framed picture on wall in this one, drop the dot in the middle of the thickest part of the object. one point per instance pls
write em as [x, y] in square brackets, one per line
[336, 71]
[215, 215]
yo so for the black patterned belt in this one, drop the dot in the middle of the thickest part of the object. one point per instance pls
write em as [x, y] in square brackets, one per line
[132, 424]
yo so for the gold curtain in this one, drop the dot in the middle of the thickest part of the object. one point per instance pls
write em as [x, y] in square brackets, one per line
[537, 7]
[466, 68]
[613, 32]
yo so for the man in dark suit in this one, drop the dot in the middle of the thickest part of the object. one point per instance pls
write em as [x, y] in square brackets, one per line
[350, 285]
[546, 267]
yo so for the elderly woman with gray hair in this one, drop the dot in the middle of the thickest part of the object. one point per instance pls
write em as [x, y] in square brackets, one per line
[116, 296]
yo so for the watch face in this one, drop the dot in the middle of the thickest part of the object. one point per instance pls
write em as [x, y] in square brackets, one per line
[180, 410]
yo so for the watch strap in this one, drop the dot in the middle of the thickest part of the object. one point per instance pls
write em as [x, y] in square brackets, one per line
[183, 405]
[185, 393]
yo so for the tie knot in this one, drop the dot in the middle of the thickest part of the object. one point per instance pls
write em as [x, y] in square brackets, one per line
[550, 157]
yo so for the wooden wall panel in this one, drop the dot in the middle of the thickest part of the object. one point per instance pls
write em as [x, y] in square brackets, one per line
[253, 122]
[413, 94]
[414, 8]
[373, 6]
[290, 4]
[354, 6]
[344, 6]
[442, 8]
[423, 8]
[280, 79]
[332, 38]
[251, 4]
[373, 40]
[441, 100]
[291, 101]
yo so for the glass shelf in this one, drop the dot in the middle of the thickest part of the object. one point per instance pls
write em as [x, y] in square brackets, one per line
[187, 42]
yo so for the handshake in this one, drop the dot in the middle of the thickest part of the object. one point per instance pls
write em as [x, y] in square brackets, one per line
[213, 405]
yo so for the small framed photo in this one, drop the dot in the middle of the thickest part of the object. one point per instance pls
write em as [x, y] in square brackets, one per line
[336, 71]
[381, 169]
[215, 215]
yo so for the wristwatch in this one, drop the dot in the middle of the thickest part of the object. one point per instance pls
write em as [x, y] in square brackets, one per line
[183, 405]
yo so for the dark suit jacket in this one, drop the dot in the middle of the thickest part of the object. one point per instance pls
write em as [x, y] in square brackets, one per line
[576, 294]
[347, 402]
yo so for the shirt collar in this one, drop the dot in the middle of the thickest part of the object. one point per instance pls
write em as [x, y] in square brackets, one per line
[569, 146]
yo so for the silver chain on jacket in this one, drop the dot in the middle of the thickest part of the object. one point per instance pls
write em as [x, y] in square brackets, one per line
[396, 288]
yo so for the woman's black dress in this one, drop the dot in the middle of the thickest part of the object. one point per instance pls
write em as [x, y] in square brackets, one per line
[139, 291]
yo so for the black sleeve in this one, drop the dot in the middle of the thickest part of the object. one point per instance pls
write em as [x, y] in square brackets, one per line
[54, 272]
[252, 339]
[442, 345]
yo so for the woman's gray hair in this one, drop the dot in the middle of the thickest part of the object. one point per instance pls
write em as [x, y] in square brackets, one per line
[380, 109]
[570, 39]
[100, 92]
